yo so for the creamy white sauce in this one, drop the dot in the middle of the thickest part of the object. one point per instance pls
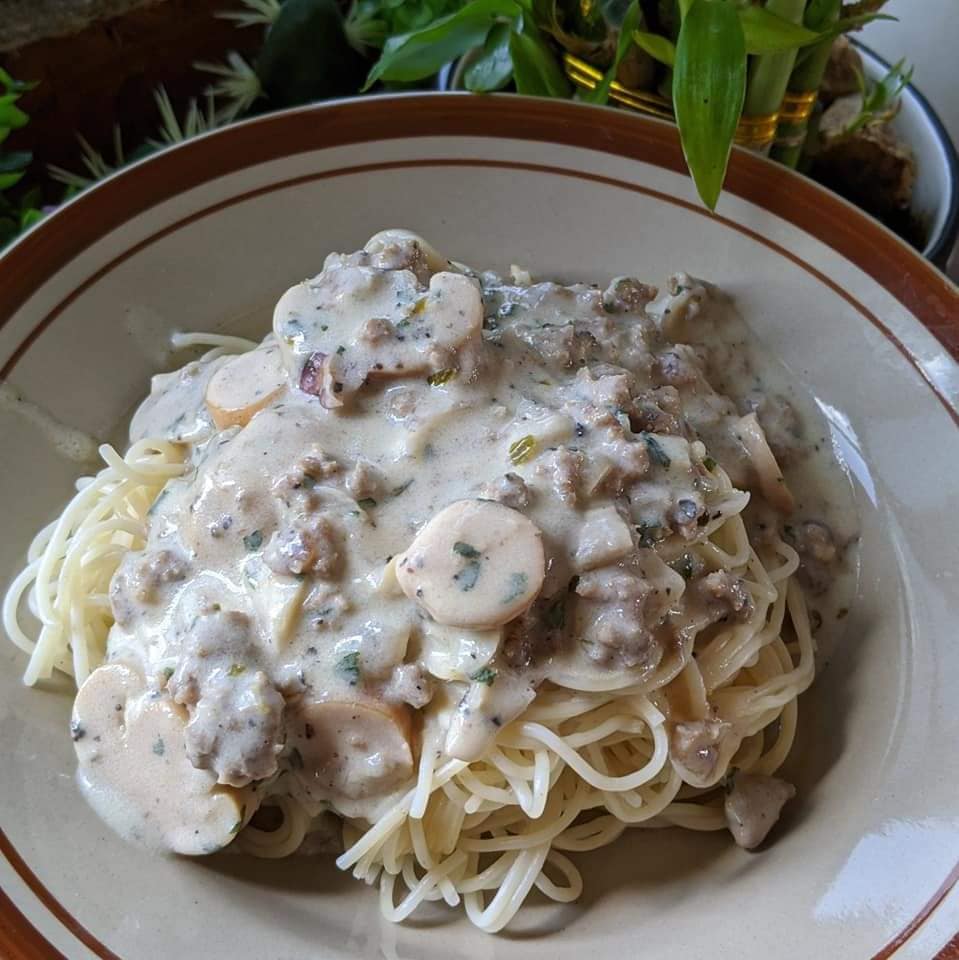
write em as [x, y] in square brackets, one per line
[329, 588]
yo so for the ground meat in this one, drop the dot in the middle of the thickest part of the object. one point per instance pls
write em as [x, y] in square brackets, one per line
[694, 746]
[310, 544]
[411, 684]
[313, 467]
[753, 806]
[403, 254]
[563, 467]
[625, 294]
[532, 637]
[608, 390]
[677, 367]
[375, 329]
[363, 480]
[658, 411]
[236, 714]
[628, 460]
[510, 490]
[556, 345]
[610, 617]
[726, 594]
[818, 553]
[142, 579]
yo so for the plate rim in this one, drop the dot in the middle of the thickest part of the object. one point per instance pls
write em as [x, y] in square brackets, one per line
[897, 268]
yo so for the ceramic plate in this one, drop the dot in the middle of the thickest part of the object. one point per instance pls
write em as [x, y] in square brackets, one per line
[208, 235]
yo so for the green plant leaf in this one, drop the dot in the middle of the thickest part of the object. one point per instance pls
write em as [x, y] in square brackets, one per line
[684, 6]
[658, 47]
[8, 180]
[12, 161]
[535, 70]
[15, 86]
[29, 217]
[421, 53]
[767, 33]
[493, 69]
[306, 55]
[10, 114]
[709, 85]
[631, 21]
[879, 98]
[821, 14]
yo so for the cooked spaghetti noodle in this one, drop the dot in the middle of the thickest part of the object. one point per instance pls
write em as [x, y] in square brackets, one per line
[492, 576]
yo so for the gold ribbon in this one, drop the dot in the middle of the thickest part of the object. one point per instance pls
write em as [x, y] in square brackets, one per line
[757, 131]
[588, 77]
[797, 107]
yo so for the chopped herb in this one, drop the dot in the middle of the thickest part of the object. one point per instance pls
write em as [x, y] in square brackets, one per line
[159, 747]
[367, 503]
[167, 673]
[308, 481]
[77, 730]
[684, 566]
[349, 666]
[237, 669]
[709, 464]
[485, 675]
[401, 489]
[521, 450]
[253, 541]
[518, 582]
[341, 349]
[466, 550]
[842, 613]
[789, 532]
[467, 577]
[440, 377]
[296, 759]
[656, 450]
[324, 327]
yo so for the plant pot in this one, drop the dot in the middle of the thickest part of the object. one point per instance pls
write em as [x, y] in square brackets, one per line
[935, 200]
[935, 196]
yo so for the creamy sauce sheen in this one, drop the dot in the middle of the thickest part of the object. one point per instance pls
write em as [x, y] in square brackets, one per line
[427, 493]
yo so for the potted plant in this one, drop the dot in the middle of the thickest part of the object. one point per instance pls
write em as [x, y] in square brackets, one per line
[765, 75]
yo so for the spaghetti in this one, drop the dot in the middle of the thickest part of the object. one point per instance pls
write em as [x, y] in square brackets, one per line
[645, 677]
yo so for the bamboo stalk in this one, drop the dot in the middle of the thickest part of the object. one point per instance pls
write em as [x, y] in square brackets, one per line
[769, 73]
[806, 77]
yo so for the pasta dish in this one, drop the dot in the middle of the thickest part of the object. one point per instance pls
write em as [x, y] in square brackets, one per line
[454, 574]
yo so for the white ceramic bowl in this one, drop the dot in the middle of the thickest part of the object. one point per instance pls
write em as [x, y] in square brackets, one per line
[209, 234]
